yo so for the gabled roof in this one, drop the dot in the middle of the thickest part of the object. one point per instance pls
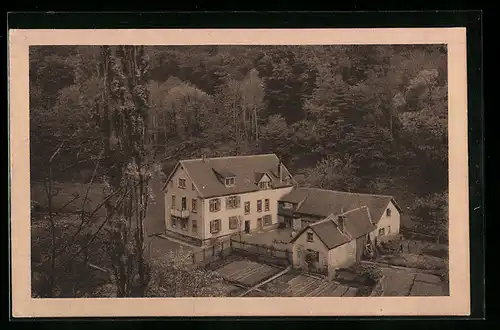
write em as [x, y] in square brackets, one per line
[322, 203]
[258, 176]
[203, 173]
[357, 224]
[225, 173]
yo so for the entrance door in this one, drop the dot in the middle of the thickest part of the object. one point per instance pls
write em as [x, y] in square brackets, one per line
[259, 223]
[247, 226]
[360, 247]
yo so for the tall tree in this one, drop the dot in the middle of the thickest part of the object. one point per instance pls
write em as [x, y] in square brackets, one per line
[252, 99]
[123, 122]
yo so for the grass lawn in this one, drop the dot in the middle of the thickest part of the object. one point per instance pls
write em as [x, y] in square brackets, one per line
[420, 261]
[160, 247]
[64, 192]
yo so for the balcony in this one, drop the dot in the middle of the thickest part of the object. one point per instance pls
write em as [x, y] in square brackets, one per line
[287, 212]
[183, 214]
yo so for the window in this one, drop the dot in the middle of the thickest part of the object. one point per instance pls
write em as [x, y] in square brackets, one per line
[233, 222]
[173, 202]
[193, 205]
[214, 205]
[173, 221]
[310, 237]
[214, 226]
[247, 207]
[265, 185]
[388, 230]
[266, 204]
[388, 212]
[381, 232]
[184, 224]
[182, 183]
[268, 220]
[312, 256]
[259, 205]
[192, 186]
[195, 226]
[184, 203]
[230, 181]
[232, 202]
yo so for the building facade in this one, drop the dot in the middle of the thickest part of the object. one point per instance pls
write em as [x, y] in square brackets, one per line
[338, 241]
[304, 206]
[211, 199]
[336, 229]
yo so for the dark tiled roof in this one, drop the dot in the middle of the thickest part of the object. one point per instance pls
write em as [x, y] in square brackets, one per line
[258, 176]
[357, 224]
[225, 173]
[321, 202]
[244, 168]
[296, 196]
[329, 234]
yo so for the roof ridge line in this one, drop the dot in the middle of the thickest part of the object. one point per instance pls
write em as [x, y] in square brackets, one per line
[323, 220]
[345, 192]
[356, 209]
[227, 157]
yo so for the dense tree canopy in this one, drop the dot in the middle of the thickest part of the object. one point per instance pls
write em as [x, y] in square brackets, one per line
[359, 118]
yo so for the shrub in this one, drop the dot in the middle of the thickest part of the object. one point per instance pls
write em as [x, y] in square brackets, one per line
[370, 272]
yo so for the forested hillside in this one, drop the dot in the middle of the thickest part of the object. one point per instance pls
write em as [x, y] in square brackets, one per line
[357, 118]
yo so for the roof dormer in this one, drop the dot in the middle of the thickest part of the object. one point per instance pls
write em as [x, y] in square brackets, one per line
[263, 180]
[230, 181]
[226, 177]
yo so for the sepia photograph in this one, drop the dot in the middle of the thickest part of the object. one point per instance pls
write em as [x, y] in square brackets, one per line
[231, 171]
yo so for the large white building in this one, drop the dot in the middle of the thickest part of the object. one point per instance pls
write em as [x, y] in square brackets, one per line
[210, 199]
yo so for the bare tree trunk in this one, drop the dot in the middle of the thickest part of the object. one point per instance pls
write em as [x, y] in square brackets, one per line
[256, 124]
[244, 123]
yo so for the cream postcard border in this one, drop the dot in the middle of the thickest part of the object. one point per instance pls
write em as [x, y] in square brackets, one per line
[458, 303]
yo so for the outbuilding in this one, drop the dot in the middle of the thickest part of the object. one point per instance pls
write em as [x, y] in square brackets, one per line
[338, 241]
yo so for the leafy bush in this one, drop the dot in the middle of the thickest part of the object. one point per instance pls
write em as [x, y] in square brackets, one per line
[432, 215]
[371, 273]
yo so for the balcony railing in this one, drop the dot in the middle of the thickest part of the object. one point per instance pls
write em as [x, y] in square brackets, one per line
[285, 212]
[183, 214]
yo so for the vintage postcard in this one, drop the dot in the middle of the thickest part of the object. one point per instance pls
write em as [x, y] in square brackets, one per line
[263, 172]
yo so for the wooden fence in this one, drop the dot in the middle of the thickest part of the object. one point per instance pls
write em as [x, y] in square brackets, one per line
[212, 253]
[264, 253]
[261, 253]
[416, 235]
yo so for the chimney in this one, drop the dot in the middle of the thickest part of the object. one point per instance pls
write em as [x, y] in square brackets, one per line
[341, 221]
[280, 174]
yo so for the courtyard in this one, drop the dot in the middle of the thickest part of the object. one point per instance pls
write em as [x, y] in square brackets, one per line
[278, 238]
[407, 282]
